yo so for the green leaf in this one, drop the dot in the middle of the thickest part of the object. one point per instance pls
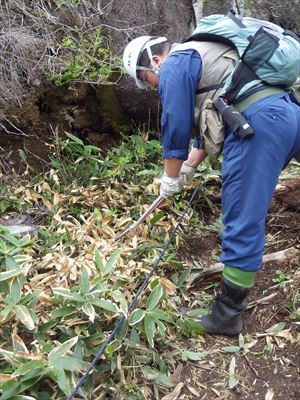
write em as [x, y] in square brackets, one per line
[42, 328]
[63, 311]
[135, 337]
[11, 263]
[62, 349]
[70, 363]
[12, 388]
[15, 290]
[67, 294]
[60, 377]
[232, 382]
[163, 379]
[7, 310]
[24, 316]
[157, 217]
[89, 310]
[84, 281]
[110, 265]
[29, 366]
[22, 154]
[25, 241]
[194, 326]
[21, 397]
[147, 172]
[75, 138]
[11, 273]
[241, 340]
[9, 357]
[10, 237]
[105, 304]
[150, 373]
[120, 298]
[155, 297]
[122, 331]
[231, 349]
[276, 328]
[20, 258]
[197, 312]
[161, 328]
[162, 315]
[110, 350]
[150, 329]
[136, 316]
[193, 356]
[99, 262]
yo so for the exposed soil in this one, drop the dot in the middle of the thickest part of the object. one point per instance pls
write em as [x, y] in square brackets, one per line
[81, 111]
[270, 370]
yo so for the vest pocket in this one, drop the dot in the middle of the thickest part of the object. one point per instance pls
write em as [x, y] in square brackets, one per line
[212, 130]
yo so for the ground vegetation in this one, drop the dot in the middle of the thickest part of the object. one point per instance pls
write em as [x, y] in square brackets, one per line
[64, 288]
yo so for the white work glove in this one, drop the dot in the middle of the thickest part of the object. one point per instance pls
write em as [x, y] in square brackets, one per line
[169, 185]
[186, 174]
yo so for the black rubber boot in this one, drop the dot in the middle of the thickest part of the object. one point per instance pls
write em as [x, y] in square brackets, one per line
[225, 318]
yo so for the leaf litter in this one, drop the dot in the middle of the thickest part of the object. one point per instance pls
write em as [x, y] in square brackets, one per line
[80, 280]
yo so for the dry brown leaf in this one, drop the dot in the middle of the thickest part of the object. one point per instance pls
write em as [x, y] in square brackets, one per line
[43, 298]
[168, 285]
[120, 369]
[176, 392]
[6, 378]
[27, 356]
[296, 279]
[106, 219]
[17, 341]
[216, 392]
[122, 222]
[269, 395]
[194, 391]
[286, 335]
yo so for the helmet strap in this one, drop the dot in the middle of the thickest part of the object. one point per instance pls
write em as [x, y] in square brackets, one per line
[154, 69]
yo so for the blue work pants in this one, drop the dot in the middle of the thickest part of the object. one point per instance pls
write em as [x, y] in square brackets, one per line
[250, 171]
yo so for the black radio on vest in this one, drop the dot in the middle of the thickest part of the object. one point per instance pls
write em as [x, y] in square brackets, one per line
[233, 118]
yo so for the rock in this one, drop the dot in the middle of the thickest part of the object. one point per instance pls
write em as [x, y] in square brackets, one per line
[20, 224]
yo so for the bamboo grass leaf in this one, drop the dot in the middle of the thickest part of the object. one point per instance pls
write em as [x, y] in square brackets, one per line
[150, 328]
[24, 316]
[136, 316]
[155, 297]
[62, 349]
[111, 263]
[67, 294]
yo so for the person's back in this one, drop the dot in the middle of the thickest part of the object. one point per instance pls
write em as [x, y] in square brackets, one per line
[217, 62]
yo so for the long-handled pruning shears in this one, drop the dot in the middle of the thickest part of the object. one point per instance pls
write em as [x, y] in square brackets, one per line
[151, 208]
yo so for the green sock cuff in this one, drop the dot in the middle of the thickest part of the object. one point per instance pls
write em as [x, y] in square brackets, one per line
[239, 277]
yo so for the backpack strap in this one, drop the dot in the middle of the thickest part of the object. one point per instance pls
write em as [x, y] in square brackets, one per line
[236, 18]
[210, 88]
[293, 34]
[252, 98]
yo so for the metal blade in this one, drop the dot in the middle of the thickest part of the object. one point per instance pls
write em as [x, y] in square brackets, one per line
[152, 207]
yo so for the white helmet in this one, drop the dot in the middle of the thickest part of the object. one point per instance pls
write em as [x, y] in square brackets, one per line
[132, 55]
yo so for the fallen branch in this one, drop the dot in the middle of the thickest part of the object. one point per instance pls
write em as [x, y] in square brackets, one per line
[262, 300]
[251, 367]
[218, 267]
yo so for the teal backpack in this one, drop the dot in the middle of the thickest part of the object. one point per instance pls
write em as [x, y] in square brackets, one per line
[268, 54]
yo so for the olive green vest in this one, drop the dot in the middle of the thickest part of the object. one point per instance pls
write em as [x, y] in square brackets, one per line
[218, 61]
